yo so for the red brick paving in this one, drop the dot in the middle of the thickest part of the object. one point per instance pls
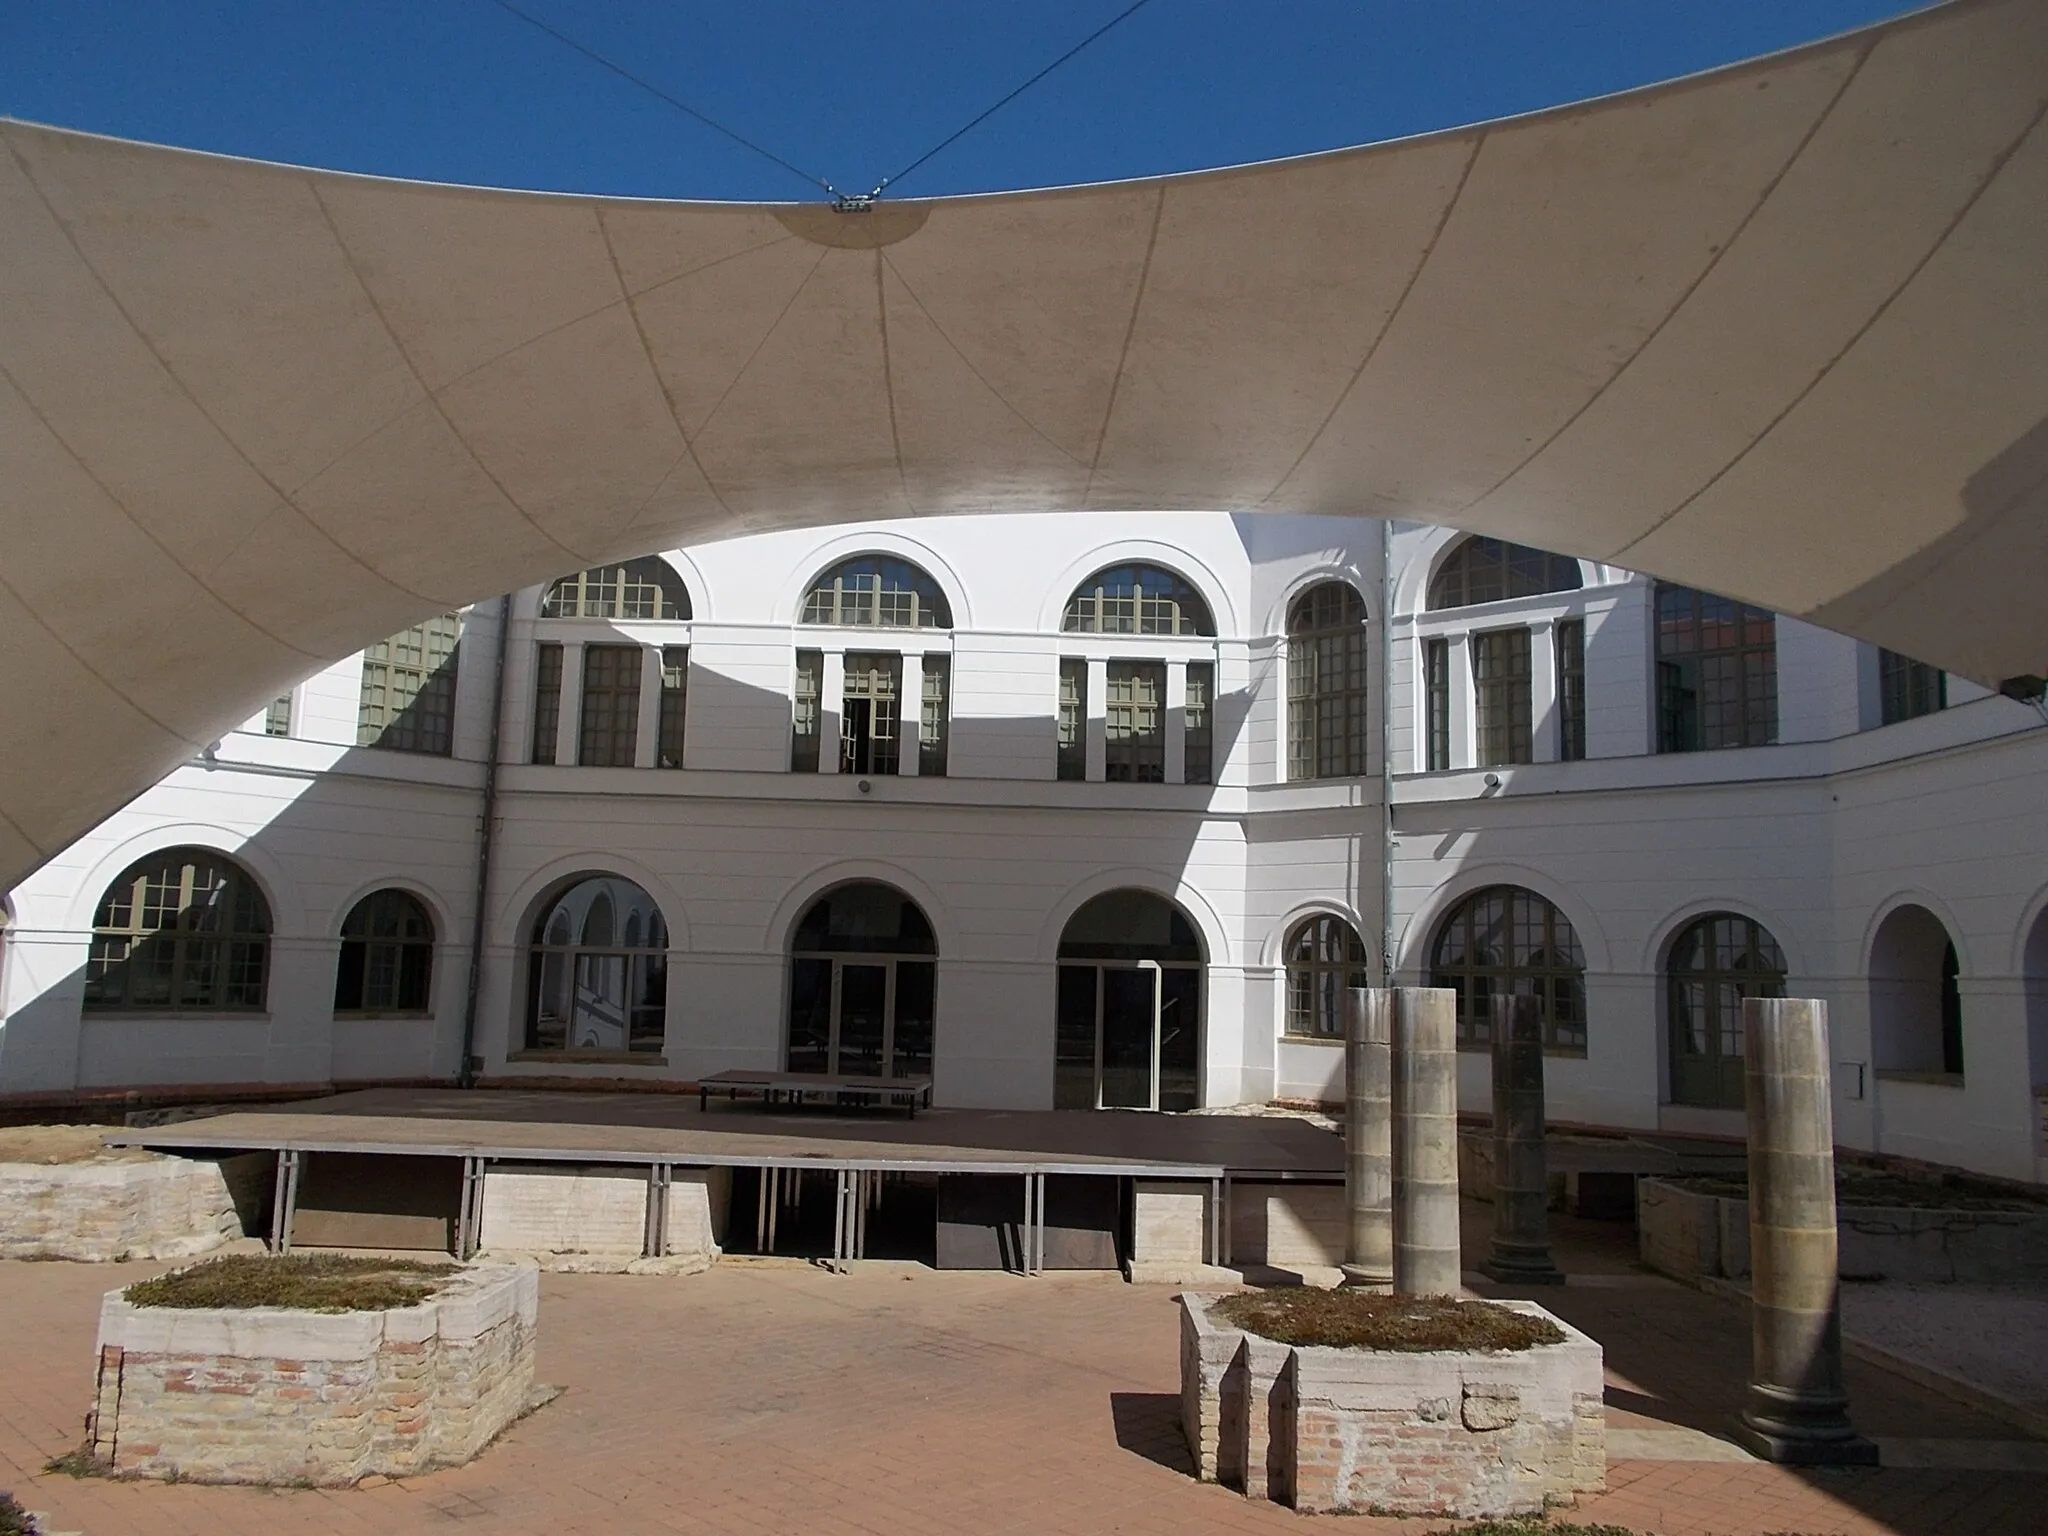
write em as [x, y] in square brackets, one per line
[898, 1402]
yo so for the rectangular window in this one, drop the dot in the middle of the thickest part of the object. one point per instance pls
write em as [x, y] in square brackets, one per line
[1073, 722]
[277, 720]
[611, 706]
[1501, 695]
[675, 698]
[1199, 729]
[804, 721]
[1436, 687]
[1717, 672]
[1571, 689]
[1326, 699]
[871, 715]
[408, 698]
[934, 725]
[547, 701]
[1134, 713]
[1909, 688]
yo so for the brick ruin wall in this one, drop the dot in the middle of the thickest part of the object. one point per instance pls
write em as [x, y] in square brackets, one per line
[289, 1397]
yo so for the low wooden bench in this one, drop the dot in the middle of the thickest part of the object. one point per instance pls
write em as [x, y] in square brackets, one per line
[770, 1087]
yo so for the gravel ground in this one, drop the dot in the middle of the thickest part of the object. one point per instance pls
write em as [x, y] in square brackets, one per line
[1994, 1335]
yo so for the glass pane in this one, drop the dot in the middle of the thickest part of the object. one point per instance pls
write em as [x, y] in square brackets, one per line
[1180, 1035]
[1128, 1001]
[863, 992]
[810, 1015]
[916, 994]
[1074, 1039]
[599, 1021]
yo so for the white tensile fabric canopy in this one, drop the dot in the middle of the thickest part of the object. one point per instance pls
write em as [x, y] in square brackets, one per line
[1780, 332]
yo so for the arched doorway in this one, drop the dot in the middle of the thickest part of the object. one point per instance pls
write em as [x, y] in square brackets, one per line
[1129, 1028]
[863, 985]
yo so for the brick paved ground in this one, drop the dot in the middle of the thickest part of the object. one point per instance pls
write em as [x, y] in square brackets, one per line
[779, 1399]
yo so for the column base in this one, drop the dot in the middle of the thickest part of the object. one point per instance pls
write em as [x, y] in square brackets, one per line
[1367, 1277]
[1522, 1266]
[1796, 1430]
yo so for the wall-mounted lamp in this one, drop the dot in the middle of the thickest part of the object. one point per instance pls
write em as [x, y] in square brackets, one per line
[864, 786]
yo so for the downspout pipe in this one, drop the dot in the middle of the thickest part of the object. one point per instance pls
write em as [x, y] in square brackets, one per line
[1386, 753]
[487, 822]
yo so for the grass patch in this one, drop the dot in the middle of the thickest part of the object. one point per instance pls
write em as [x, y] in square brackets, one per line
[1348, 1319]
[300, 1282]
[14, 1520]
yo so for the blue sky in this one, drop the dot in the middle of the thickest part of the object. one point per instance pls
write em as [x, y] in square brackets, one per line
[460, 90]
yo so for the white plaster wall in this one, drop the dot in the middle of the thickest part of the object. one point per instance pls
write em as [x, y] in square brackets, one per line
[1814, 837]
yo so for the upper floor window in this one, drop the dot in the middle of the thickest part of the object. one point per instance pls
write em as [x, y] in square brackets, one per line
[647, 588]
[1134, 723]
[185, 930]
[1326, 687]
[1506, 939]
[1137, 600]
[1325, 957]
[1484, 570]
[408, 697]
[1717, 672]
[1907, 688]
[1502, 693]
[387, 956]
[877, 591]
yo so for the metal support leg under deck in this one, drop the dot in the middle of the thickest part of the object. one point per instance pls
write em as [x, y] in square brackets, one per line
[469, 1223]
[284, 1201]
[655, 1242]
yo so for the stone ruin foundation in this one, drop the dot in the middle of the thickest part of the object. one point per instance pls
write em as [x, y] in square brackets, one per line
[1468, 1435]
[265, 1395]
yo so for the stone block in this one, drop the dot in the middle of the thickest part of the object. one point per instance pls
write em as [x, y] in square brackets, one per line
[145, 1208]
[539, 1208]
[1294, 1226]
[265, 1395]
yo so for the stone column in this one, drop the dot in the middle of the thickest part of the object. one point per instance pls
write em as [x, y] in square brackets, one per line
[1796, 1411]
[1520, 1254]
[1368, 1138]
[1425, 1050]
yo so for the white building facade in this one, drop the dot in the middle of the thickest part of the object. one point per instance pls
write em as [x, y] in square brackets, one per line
[1077, 812]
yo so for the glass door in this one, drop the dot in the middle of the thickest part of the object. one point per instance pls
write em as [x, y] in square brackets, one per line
[1129, 1074]
[863, 1020]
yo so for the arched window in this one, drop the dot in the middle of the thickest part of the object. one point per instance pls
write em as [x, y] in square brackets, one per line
[387, 956]
[877, 592]
[592, 993]
[1916, 1007]
[1503, 940]
[185, 930]
[863, 985]
[647, 588]
[1326, 688]
[1484, 570]
[1128, 1031]
[1325, 957]
[1715, 963]
[1137, 600]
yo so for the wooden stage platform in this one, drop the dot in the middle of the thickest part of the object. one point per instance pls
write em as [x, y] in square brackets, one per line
[644, 1128]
